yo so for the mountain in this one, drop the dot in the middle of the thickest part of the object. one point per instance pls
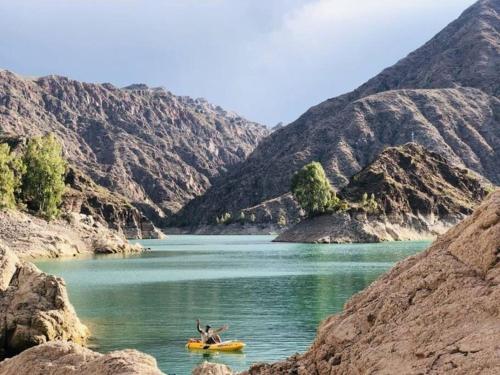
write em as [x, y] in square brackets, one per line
[419, 194]
[157, 149]
[444, 96]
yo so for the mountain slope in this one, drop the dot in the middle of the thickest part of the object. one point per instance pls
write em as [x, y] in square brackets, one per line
[157, 149]
[443, 96]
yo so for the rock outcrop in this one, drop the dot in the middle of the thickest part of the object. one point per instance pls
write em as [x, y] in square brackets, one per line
[444, 96]
[157, 149]
[207, 368]
[34, 307]
[31, 237]
[110, 209]
[434, 313]
[419, 195]
[65, 358]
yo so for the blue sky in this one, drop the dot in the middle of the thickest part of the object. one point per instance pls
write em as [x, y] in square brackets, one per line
[269, 60]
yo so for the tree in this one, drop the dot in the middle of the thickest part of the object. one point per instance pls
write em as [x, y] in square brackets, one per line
[282, 222]
[10, 177]
[242, 218]
[369, 204]
[43, 183]
[372, 203]
[312, 190]
[252, 218]
[224, 219]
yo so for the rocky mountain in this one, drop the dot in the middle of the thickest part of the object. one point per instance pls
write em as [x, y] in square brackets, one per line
[157, 149]
[434, 313]
[419, 194]
[444, 96]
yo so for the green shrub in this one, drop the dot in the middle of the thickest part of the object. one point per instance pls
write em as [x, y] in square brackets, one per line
[312, 190]
[11, 170]
[43, 183]
[224, 219]
[282, 222]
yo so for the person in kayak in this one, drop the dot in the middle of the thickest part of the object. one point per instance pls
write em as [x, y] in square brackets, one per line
[208, 335]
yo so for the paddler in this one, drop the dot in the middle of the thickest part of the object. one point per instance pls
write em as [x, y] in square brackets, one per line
[208, 335]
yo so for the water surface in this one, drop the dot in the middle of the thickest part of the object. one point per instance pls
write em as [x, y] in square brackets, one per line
[272, 295]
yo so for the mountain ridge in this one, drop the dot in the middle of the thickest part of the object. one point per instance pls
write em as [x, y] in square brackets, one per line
[157, 149]
[421, 98]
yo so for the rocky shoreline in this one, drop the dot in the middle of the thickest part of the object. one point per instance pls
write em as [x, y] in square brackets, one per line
[31, 237]
[41, 332]
[343, 228]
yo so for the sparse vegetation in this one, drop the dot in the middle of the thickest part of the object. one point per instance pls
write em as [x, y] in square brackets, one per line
[226, 219]
[242, 218]
[369, 204]
[282, 222]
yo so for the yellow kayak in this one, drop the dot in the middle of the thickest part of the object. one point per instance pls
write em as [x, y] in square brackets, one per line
[226, 346]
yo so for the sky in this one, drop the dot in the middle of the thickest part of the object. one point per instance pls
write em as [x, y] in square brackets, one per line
[268, 60]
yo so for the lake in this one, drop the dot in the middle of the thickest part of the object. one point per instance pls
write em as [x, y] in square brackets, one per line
[272, 295]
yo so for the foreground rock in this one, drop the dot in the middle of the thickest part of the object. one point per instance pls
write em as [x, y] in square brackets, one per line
[65, 358]
[208, 368]
[31, 237]
[419, 195]
[434, 313]
[34, 307]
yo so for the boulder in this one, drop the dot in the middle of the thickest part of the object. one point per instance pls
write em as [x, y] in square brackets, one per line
[66, 358]
[207, 368]
[34, 307]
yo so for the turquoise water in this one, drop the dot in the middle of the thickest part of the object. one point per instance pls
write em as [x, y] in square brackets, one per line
[272, 295]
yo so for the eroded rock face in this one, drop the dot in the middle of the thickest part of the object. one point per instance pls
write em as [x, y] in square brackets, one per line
[65, 358]
[34, 307]
[157, 149]
[444, 96]
[419, 195]
[111, 209]
[434, 313]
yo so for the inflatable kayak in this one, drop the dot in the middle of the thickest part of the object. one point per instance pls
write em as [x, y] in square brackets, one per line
[226, 346]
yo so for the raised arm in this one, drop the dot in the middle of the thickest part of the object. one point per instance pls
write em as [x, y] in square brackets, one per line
[198, 326]
[225, 327]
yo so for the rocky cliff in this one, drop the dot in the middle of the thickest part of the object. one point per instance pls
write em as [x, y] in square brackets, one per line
[34, 307]
[434, 313]
[419, 195]
[444, 96]
[110, 209]
[157, 149]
